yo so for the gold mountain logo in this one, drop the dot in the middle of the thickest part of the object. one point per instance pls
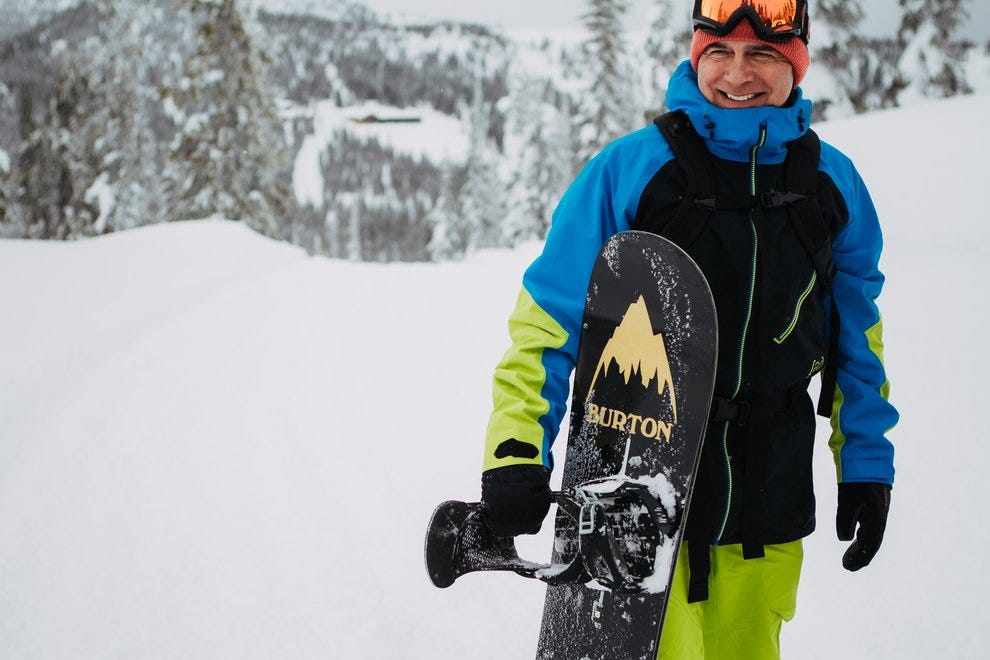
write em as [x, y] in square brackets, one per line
[635, 348]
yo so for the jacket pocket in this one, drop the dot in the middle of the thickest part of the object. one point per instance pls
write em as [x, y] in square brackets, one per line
[796, 312]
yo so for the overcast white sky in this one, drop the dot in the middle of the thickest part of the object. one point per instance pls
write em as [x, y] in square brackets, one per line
[882, 17]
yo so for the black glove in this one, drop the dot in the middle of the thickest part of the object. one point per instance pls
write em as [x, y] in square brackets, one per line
[516, 498]
[866, 505]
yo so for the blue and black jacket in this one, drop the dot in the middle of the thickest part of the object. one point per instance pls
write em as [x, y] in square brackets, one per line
[773, 312]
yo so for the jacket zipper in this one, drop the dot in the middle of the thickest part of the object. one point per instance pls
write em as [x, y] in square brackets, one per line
[779, 339]
[742, 339]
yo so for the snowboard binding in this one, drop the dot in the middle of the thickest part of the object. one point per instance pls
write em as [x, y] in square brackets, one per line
[618, 530]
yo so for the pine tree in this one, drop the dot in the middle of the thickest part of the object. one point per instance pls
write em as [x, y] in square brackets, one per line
[80, 123]
[8, 216]
[7, 222]
[103, 106]
[931, 63]
[231, 146]
[668, 43]
[838, 47]
[140, 190]
[539, 158]
[482, 197]
[609, 108]
[41, 172]
[451, 233]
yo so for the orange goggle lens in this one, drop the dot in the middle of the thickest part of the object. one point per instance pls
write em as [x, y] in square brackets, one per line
[770, 18]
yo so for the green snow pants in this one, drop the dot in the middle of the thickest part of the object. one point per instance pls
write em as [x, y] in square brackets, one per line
[747, 602]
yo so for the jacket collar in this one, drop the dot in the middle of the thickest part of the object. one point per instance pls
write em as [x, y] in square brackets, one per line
[731, 133]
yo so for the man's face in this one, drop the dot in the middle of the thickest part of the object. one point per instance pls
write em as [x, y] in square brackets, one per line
[742, 74]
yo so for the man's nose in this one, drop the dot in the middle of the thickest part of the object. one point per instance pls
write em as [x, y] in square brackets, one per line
[738, 70]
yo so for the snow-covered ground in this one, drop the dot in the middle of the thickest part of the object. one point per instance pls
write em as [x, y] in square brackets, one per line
[213, 446]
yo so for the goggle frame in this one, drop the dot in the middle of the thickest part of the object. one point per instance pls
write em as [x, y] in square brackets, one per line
[798, 27]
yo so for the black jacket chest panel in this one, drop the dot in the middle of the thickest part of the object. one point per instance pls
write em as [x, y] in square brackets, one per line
[768, 297]
[769, 341]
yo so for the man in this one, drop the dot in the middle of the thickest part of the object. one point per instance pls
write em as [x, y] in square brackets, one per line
[785, 312]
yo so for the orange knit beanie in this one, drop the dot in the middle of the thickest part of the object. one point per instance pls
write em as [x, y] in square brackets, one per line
[793, 49]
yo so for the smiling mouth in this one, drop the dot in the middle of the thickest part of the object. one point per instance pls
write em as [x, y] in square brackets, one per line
[745, 97]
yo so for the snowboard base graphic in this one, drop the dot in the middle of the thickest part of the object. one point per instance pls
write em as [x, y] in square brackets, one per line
[640, 405]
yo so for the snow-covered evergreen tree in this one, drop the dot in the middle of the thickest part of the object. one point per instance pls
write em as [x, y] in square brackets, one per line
[41, 172]
[105, 104]
[6, 221]
[539, 158]
[142, 193]
[836, 47]
[667, 44]
[609, 109]
[352, 214]
[931, 62]
[83, 132]
[451, 231]
[231, 146]
[482, 199]
[8, 214]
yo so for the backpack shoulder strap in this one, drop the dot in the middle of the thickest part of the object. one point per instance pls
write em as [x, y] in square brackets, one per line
[801, 176]
[801, 179]
[689, 151]
[698, 198]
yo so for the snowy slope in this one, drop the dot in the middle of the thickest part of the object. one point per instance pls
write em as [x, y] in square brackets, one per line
[923, 598]
[214, 446]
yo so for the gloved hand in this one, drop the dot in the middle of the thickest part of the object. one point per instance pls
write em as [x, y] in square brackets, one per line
[516, 498]
[866, 505]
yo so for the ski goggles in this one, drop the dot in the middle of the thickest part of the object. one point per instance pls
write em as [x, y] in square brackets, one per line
[772, 20]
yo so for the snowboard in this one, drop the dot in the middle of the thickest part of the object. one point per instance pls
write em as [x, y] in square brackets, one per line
[640, 404]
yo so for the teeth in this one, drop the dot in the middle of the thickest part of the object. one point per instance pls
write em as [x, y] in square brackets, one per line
[740, 98]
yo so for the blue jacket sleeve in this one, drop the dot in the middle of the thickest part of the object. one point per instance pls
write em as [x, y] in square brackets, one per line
[862, 414]
[532, 381]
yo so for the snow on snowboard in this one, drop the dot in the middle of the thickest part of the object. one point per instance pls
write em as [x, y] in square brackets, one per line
[641, 400]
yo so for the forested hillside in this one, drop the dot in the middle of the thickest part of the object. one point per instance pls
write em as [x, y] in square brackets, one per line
[327, 126]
